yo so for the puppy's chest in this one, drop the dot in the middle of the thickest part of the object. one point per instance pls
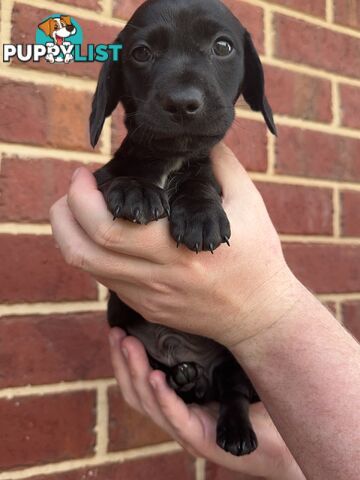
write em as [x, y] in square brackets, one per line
[171, 172]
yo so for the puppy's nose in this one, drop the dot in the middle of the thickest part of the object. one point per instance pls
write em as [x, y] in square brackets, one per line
[70, 28]
[185, 103]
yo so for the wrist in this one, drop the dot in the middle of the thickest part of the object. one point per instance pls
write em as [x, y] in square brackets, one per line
[286, 318]
[263, 309]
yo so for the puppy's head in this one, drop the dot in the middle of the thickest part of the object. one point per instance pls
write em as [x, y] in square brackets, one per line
[183, 66]
[58, 28]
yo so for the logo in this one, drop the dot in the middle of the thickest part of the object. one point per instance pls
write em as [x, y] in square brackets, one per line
[59, 39]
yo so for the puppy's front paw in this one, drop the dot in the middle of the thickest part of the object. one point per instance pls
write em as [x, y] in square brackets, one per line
[136, 200]
[234, 435]
[200, 228]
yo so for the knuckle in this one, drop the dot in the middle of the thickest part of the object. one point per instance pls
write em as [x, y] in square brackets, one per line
[105, 237]
[74, 257]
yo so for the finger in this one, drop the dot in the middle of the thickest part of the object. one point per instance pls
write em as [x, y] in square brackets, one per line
[140, 371]
[173, 408]
[151, 242]
[121, 370]
[228, 171]
[80, 251]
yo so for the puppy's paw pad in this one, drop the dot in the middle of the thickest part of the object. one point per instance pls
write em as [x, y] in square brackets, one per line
[137, 201]
[200, 228]
[236, 438]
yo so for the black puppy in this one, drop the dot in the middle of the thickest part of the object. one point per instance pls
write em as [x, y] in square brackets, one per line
[183, 66]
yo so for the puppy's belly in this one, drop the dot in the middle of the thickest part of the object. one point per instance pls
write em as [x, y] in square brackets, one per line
[171, 347]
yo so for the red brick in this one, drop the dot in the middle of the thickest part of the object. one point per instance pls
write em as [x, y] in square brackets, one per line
[127, 428]
[41, 115]
[33, 270]
[162, 467]
[125, 8]
[301, 42]
[20, 178]
[26, 18]
[298, 95]
[351, 317]
[62, 348]
[250, 16]
[325, 268]
[347, 12]
[313, 7]
[350, 106]
[46, 429]
[350, 214]
[88, 4]
[314, 154]
[298, 210]
[248, 140]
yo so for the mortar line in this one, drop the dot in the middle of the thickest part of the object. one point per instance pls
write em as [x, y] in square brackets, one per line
[51, 308]
[107, 8]
[271, 154]
[102, 420]
[102, 293]
[287, 121]
[55, 388]
[338, 297]
[200, 469]
[303, 181]
[117, 457]
[320, 239]
[18, 74]
[106, 138]
[25, 229]
[269, 33]
[335, 104]
[330, 11]
[6, 8]
[336, 213]
[31, 151]
[339, 313]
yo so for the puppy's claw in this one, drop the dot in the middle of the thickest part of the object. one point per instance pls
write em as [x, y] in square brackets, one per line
[167, 211]
[117, 211]
[137, 216]
[156, 214]
[197, 249]
[211, 247]
[227, 241]
[178, 241]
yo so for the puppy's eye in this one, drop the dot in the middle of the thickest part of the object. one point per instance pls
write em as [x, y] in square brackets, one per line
[222, 47]
[142, 54]
[56, 27]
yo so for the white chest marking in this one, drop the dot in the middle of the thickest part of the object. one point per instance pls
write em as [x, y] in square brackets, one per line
[175, 167]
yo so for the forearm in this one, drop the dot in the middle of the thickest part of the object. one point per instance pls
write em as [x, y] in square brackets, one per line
[306, 369]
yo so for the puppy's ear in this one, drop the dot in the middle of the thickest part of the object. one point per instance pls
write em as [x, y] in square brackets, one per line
[253, 88]
[66, 19]
[46, 26]
[106, 98]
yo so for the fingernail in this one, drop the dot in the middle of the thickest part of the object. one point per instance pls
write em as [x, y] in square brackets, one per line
[125, 352]
[75, 174]
[153, 384]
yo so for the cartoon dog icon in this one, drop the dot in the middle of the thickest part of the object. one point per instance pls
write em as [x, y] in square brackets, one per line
[58, 28]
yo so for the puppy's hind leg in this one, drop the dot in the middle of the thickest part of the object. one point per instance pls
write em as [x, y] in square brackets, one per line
[234, 430]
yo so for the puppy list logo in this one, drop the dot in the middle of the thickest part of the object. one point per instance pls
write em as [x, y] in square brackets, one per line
[59, 39]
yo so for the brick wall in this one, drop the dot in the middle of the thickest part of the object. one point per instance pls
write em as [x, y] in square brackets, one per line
[61, 416]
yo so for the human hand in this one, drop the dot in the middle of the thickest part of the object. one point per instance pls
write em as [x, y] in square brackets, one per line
[230, 296]
[194, 427]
